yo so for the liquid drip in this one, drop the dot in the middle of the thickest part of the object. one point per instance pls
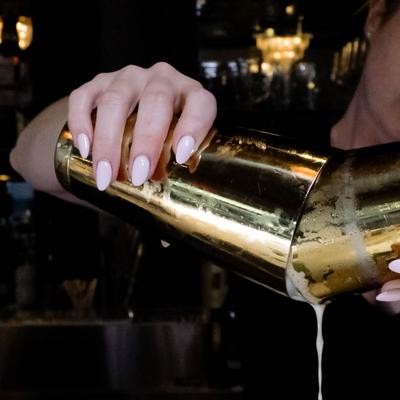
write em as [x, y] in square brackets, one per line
[319, 313]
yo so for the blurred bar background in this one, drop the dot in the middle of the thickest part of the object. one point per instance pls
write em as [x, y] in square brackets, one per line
[106, 311]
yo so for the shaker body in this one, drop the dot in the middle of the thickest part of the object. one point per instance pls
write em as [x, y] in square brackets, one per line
[304, 223]
[238, 199]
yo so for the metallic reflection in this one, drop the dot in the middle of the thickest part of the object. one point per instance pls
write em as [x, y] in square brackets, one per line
[238, 199]
[350, 229]
[293, 220]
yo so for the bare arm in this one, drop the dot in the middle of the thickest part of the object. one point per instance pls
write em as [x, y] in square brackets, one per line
[33, 155]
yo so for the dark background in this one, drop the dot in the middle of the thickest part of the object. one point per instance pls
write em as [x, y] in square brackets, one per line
[272, 336]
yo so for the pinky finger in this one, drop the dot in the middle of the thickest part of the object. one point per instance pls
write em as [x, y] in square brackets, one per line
[197, 117]
[80, 105]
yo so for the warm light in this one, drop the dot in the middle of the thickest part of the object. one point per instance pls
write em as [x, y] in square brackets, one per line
[270, 32]
[4, 178]
[290, 9]
[25, 32]
[349, 59]
[286, 42]
[282, 51]
[311, 85]
[254, 66]
[297, 40]
[1, 29]
[308, 173]
[267, 69]
[68, 135]
[290, 54]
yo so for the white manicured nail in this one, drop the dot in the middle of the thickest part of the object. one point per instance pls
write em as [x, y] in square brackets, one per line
[103, 174]
[83, 145]
[184, 149]
[395, 265]
[140, 170]
[165, 244]
[389, 295]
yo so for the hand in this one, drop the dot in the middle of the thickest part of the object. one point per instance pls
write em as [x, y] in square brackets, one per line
[159, 92]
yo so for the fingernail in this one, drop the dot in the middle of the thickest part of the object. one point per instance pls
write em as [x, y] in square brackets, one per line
[83, 145]
[165, 244]
[389, 295]
[140, 170]
[395, 265]
[184, 149]
[103, 175]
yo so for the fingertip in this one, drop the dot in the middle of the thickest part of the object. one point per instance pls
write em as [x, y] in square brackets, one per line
[140, 170]
[103, 174]
[83, 144]
[185, 149]
[395, 265]
[82, 133]
[389, 295]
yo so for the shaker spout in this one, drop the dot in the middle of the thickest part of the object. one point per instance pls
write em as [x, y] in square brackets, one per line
[349, 230]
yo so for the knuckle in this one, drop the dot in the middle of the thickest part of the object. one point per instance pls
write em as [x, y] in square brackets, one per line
[130, 70]
[159, 96]
[202, 93]
[212, 101]
[162, 68]
[77, 93]
[101, 76]
[204, 96]
[113, 97]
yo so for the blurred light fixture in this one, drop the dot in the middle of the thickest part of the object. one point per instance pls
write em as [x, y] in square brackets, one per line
[282, 51]
[25, 32]
[4, 178]
[290, 9]
[1, 29]
[349, 60]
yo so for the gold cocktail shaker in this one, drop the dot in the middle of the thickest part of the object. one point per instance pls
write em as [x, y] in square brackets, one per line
[305, 223]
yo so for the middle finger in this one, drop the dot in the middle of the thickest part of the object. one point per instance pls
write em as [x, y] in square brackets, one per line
[113, 109]
[154, 117]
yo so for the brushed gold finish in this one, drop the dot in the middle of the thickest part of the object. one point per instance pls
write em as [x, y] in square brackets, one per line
[237, 199]
[350, 227]
[307, 224]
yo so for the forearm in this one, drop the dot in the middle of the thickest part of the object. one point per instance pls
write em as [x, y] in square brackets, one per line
[33, 154]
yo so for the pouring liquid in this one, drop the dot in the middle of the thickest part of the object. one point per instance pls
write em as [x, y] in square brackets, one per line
[319, 313]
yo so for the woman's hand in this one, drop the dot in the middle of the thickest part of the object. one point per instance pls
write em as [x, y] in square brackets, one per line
[159, 92]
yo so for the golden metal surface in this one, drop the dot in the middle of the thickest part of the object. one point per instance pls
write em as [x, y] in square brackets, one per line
[350, 228]
[296, 221]
[238, 199]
